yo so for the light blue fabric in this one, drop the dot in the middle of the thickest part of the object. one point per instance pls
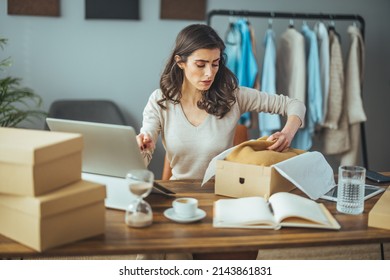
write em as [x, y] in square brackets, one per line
[269, 122]
[247, 68]
[233, 48]
[241, 61]
[314, 100]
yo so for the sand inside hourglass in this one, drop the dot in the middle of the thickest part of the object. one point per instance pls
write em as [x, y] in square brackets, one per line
[139, 219]
[140, 188]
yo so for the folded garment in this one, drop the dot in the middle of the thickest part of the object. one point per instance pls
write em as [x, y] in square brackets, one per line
[256, 152]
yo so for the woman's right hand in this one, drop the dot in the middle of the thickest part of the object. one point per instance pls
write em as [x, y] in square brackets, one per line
[145, 142]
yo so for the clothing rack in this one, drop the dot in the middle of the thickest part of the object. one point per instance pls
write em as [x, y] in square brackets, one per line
[262, 14]
[303, 16]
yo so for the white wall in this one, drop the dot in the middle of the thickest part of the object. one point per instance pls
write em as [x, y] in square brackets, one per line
[71, 57]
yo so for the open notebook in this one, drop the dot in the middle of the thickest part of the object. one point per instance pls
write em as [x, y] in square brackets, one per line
[281, 210]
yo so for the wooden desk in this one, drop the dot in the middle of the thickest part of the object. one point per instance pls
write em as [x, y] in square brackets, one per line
[200, 237]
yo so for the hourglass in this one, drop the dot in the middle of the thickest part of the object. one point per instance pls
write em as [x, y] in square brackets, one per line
[139, 212]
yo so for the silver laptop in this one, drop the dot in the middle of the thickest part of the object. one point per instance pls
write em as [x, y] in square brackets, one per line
[109, 149]
[109, 152]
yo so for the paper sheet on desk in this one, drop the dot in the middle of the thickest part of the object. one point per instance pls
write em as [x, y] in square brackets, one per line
[310, 172]
[211, 170]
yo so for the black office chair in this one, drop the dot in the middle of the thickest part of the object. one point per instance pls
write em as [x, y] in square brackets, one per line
[91, 110]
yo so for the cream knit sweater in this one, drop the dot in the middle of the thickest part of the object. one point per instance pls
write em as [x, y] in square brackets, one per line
[190, 148]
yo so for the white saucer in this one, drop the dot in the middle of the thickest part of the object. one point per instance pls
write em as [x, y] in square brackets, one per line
[170, 214]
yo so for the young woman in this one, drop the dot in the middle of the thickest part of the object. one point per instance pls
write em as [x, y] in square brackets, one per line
[199, 103]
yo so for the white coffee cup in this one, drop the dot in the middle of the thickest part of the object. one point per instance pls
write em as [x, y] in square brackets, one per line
[185, 207]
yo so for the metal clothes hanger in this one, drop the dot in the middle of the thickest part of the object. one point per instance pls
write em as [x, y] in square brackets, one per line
[270, 23]
[291, 23]
[231, 31]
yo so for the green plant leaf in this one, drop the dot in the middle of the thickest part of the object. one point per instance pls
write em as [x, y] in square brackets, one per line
[17, 103]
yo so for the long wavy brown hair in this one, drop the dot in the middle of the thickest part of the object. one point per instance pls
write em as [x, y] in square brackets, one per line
[219, 98]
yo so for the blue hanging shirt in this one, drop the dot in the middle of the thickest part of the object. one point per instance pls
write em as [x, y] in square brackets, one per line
[241, 60]
[233, 47]
[303, 138]
[269, 122]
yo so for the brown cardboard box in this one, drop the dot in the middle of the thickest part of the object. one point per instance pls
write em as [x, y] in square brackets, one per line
[241, 180]
[71, 213]
[34, 162]
[379, 216]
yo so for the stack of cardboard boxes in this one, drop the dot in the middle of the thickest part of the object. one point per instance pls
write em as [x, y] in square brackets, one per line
[44, 202]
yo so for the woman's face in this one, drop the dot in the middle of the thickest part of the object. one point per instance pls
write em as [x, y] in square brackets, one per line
[200, 69]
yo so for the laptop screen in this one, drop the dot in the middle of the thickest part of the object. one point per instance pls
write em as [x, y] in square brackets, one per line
[108, 149]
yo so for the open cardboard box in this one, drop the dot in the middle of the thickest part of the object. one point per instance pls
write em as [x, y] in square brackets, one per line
[242, 180]
[379, 216]
[66, 215]
[309, 171]
[34, 162]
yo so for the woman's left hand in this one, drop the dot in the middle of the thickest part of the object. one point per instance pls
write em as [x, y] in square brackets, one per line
[282, 142]
[284, 138]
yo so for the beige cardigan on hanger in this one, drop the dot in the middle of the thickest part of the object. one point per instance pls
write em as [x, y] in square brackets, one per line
[335, 134]
[353, 85]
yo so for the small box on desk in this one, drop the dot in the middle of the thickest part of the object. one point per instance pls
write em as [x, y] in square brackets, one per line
[34, 162]
[63, 216]
[242, 180]
[379, 216]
